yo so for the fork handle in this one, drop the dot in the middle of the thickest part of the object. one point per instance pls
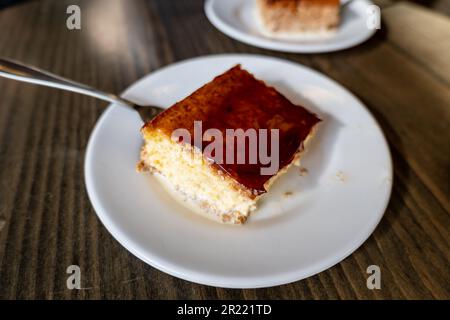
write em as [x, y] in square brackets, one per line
[21, 72]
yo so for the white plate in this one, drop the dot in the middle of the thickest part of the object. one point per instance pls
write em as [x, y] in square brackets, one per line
[236, 18]
[332, 211]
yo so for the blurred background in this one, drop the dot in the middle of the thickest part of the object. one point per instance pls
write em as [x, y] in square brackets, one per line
[442, 6]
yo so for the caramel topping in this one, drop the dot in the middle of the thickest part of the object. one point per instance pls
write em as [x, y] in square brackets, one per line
[236, 100]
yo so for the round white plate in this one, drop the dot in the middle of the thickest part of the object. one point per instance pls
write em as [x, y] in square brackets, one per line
[332, 210]
[236, 18]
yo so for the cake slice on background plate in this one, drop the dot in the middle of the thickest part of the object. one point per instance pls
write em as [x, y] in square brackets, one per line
[227, 181]
[291, 19]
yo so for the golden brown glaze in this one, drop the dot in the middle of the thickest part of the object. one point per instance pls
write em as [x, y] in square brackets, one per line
[236, 100]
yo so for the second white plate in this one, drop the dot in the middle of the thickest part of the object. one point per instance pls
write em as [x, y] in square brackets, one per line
[236, 19]
[305, 224]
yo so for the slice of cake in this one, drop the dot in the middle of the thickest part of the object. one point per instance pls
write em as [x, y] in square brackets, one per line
[225, 144]
[297, 18]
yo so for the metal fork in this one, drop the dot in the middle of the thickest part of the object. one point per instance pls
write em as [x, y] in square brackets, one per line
[21, 72]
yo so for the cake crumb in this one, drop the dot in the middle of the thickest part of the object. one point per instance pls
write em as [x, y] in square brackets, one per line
[240, 219]
[288, 193]
[303, 171]
[140, 166]
[340, 176]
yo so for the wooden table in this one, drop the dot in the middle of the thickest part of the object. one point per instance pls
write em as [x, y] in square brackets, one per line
[47, 222]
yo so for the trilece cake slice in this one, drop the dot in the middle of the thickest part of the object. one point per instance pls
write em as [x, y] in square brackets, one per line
[297, 18]
[225, 144]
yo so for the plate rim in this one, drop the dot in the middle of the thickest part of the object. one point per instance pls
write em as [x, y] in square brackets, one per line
[207, 278]
[271, 44]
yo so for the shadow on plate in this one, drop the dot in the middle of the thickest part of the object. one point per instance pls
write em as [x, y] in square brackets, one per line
[315, 160]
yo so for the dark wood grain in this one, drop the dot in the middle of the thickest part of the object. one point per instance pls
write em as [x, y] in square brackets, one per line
[47, 222]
